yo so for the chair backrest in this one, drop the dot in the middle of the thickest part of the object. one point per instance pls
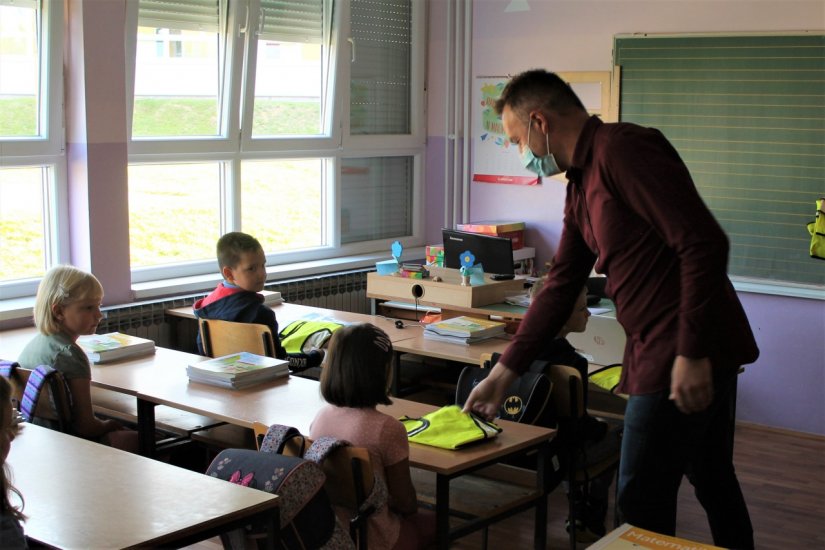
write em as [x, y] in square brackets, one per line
[17, 377]
[567, 395]
[350, 483]
[221, 338]
[350, 476]
[54, 407]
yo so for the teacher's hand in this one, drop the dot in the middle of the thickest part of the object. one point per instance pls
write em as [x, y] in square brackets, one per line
[486, 398]
[691, 384]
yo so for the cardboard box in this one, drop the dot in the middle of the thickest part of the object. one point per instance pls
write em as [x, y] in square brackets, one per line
[512, 230]
[435, 255]
[445, 293]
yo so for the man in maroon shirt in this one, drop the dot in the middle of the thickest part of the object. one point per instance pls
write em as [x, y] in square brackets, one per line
[633, 212]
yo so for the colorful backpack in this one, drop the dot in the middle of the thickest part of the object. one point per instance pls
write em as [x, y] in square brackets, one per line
[307, 517]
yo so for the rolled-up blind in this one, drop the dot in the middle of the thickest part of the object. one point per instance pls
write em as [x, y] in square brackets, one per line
[195, 15]
[293, 21]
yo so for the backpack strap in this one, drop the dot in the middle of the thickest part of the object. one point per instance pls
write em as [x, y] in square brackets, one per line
[38, 379]
[322, 447]
[277, 436]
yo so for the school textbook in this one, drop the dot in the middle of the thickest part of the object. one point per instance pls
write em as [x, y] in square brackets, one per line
[463, 330]
[102, 348]
[237, 370]
[628, 537]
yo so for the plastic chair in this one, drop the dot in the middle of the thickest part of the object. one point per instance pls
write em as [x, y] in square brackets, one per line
[225, 337]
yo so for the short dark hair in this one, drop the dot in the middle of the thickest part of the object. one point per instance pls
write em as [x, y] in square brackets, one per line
[540, 89]
[232, 245]
[357, 367]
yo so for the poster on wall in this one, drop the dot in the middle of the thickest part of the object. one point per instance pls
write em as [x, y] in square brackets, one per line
[495, 159]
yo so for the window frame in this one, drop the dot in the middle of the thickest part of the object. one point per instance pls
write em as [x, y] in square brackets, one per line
[237, 145]
[47, 150]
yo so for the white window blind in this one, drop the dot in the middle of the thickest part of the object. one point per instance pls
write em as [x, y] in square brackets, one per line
[381, 75]
[293, 21]
[376, 198]
[193, 15]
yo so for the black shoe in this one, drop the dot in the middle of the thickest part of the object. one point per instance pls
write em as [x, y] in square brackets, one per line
[585, 533]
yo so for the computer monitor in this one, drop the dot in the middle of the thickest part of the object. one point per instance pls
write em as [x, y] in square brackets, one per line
[495, 254]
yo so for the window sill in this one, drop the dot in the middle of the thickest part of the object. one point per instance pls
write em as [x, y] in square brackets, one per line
[205, 283]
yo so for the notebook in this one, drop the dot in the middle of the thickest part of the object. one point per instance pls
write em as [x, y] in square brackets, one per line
[602, 343]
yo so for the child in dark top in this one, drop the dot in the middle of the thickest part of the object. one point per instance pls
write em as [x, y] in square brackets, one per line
[243, 266]
[592, 431]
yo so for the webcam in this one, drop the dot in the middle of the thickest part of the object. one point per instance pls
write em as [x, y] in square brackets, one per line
[399, 324]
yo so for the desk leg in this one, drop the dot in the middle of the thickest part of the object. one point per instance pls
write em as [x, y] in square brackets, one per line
[273, 529]
[540, 528]
[396, 374]
[442, 511]
[146, 427]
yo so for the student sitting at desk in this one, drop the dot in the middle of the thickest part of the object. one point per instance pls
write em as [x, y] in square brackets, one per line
[11, 532]
[243, 267]
[355, 379]
[67, 306]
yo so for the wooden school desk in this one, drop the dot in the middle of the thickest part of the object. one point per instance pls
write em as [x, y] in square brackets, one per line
[80, 494]
[448, 351]
[294, 401]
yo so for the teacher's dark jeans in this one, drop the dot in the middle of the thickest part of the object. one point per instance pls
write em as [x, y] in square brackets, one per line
[661, 444]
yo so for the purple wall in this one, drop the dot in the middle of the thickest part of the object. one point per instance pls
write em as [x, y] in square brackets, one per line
[786, 386]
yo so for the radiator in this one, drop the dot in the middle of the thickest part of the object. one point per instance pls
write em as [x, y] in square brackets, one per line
[339, 291]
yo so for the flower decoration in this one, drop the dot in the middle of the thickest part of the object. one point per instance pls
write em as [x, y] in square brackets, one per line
[467, 259]
[397, 249]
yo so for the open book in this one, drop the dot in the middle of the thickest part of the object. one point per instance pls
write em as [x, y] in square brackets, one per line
[101, 348]
[237, 370]
[466, 327]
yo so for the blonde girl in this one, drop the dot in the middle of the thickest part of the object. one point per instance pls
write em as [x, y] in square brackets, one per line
[67, 306]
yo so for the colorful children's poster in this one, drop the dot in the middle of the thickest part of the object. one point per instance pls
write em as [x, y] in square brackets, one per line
[495, 159]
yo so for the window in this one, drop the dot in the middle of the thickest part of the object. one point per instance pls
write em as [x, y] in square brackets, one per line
[308, 111]
[31, 141]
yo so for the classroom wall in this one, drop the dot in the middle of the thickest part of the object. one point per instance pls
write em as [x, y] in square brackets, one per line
[784, 388]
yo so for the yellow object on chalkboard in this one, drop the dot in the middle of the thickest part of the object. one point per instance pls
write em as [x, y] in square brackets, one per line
[817, 230]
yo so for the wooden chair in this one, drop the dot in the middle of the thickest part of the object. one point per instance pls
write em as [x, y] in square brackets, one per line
[350, 480]
[221, 338]
[568, 400]
[54, 408]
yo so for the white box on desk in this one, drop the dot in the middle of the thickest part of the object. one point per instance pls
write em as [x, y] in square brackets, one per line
[447, 292]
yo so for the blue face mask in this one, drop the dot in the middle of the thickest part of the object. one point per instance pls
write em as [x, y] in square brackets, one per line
[544, 166]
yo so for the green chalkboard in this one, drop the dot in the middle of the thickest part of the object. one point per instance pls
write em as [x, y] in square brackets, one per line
[747, 115]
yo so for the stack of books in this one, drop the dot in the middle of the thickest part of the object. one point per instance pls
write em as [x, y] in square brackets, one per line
[238, 370]
[463, 330]
[101, 348]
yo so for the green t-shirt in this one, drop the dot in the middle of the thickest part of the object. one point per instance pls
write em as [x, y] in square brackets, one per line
[58, 352]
